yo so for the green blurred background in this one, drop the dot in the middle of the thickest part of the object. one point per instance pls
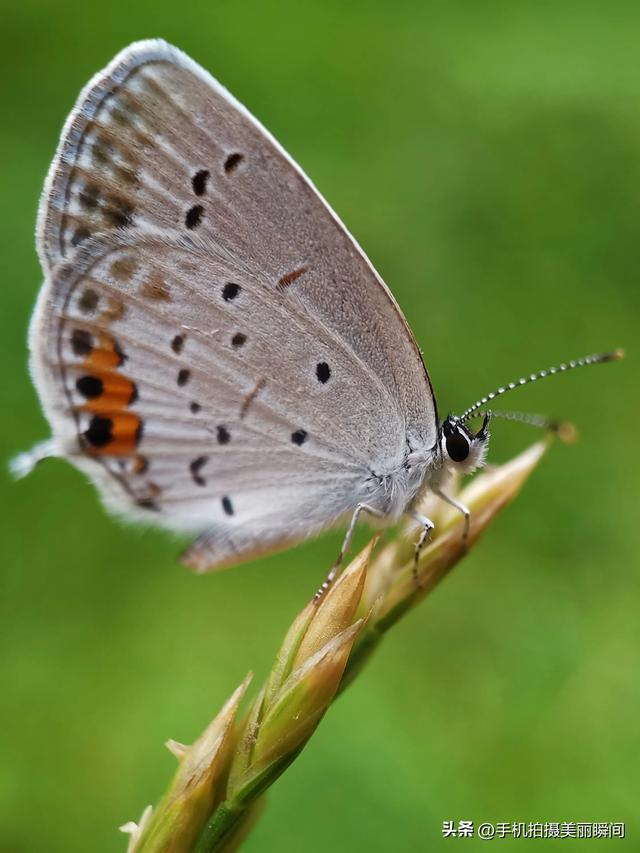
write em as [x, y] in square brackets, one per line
[487, 157]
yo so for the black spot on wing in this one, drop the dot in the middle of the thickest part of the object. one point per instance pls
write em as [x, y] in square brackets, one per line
[199, 182]
[81, 342]
[224, 436]
[233, 161]
[99, 432]
[183, 376]
[148, 503]
[177, 344]
[90, 386]
[299, 437]
[230, 291]
[194, 215]
[227, 506]
[323, 372]
[195, 467]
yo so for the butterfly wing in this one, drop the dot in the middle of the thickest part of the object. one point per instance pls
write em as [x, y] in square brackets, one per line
[211, 344]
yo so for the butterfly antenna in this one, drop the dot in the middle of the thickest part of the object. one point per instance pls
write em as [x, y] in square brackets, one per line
[598, 358]
[565, 430]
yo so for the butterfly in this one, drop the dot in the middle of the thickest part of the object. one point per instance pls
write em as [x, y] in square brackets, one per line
[210, 344]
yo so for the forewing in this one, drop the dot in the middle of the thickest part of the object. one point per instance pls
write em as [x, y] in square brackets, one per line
[155, 141]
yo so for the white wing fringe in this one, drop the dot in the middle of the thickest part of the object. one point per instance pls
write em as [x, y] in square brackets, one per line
[24, 463]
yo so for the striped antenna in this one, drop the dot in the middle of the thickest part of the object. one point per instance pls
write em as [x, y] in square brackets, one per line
[598, 358]
[565, 430]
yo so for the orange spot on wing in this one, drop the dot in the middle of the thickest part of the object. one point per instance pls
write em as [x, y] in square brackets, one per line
[117, 393]
[106, 356]
[110, 407]
[125, 435]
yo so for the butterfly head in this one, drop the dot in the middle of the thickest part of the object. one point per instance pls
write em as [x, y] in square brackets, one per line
[462, 448]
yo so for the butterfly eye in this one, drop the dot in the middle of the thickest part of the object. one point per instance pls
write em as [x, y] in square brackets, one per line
[457, 446]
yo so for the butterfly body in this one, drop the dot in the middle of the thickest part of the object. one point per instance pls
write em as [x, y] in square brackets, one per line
[210, 344]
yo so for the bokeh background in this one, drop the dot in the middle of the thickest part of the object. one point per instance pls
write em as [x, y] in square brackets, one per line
[487, 157]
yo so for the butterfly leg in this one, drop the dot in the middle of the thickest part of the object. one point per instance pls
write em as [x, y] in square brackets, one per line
[345, 546]
[460, 507]
[427, 526]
